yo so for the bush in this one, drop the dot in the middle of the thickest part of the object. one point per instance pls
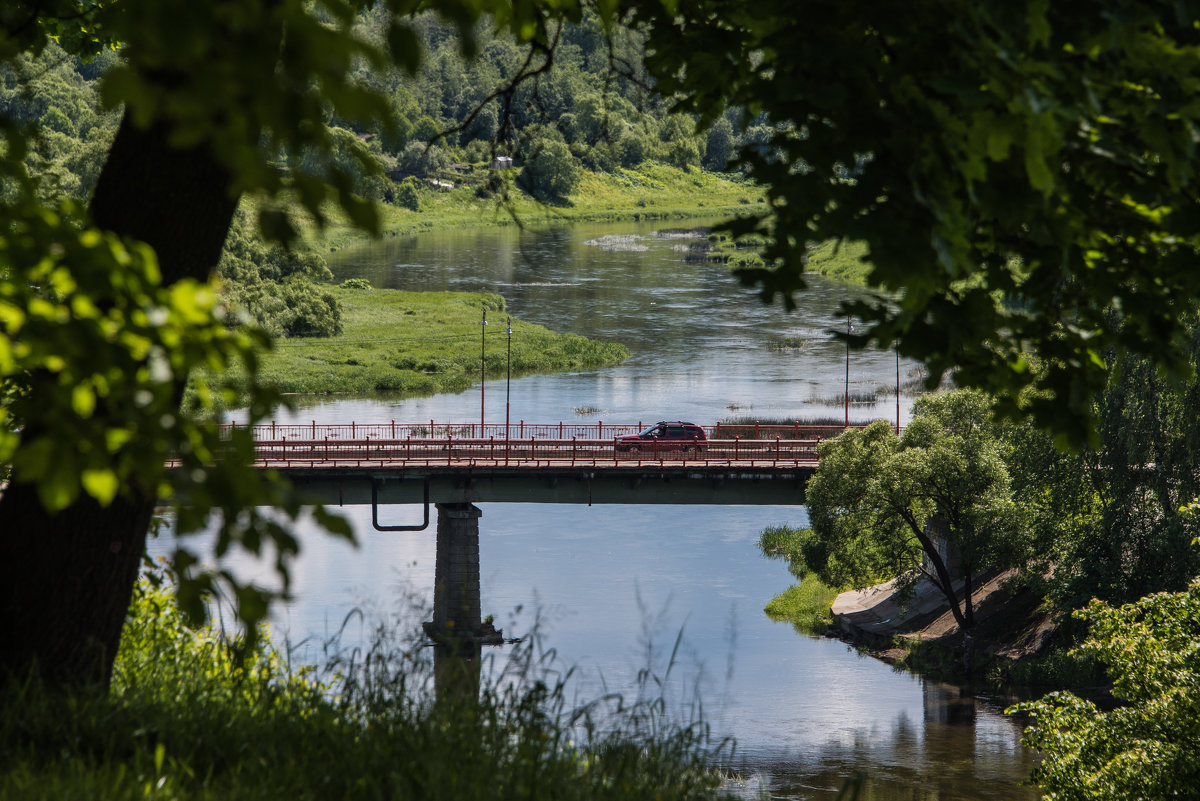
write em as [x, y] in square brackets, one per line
[550, 171]
[407, 195]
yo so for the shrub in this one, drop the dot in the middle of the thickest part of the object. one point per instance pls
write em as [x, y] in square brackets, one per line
[407, 196]
[550, 171]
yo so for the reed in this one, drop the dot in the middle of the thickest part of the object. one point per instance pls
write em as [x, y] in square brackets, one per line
[187, 720]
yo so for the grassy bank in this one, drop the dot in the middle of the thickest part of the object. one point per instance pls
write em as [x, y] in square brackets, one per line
[650, 191]
[421, 343]
[186, 721]
[805, 605]
[841, 262]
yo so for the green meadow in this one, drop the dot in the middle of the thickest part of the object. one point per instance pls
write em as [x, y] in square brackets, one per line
[422, 343]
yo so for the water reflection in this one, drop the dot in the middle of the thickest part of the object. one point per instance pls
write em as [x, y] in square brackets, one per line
[703, 346]
[960, 748]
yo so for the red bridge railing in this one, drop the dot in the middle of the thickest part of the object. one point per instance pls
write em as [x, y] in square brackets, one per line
[521, 430]
[529, 445]
[532, 451]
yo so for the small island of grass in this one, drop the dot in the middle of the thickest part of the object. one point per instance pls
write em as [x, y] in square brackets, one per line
[422, 343]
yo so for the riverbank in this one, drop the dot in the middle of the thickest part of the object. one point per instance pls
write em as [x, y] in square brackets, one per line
[1013, 630]
[422, 343]
[651, 191]
[1018, 637]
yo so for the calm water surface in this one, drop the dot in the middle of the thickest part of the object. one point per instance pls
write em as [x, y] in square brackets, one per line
[610, 588]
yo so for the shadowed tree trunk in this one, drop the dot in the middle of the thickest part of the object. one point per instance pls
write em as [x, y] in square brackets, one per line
[66, 579]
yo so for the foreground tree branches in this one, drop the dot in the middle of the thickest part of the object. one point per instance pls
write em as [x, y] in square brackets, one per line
[1023, 173]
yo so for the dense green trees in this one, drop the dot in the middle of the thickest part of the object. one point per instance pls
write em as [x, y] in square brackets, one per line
[277, 287]
[104, 315]
[1148, 747]
[1023, 173]
[550, 172]
[874, 495]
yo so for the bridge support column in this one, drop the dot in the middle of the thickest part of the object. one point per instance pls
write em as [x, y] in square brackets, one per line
[938, 530]
[456, 615]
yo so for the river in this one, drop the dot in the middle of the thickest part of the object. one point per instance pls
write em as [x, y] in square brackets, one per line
[610, 588]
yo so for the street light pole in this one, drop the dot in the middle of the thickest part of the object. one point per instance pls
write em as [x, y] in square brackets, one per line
[482, 367]
[508, 383]
[847, 371]
[897, 349]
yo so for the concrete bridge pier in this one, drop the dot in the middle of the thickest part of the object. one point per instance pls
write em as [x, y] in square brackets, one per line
[456, 615]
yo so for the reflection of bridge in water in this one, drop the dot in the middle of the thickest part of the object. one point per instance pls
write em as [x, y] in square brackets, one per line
[454, 466]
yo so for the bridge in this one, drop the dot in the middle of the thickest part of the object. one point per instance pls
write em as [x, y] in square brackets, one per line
[394, 463]
[454, 466]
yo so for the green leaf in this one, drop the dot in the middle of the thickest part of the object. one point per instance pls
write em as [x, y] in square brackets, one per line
[404, 46]
[335, 524]
[83, 400]
[100, 484]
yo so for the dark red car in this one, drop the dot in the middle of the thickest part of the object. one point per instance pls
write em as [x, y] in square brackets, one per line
[664, 437]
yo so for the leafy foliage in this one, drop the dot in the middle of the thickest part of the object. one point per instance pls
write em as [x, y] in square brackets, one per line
[874, 494]
[1110, 521]
[1024, 172]
[277, 287]
[1148, 747]
[549, 173]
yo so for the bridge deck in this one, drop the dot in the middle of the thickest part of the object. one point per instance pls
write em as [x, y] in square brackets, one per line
[362, 464]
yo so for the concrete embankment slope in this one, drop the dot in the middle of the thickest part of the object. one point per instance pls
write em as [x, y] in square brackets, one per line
[1008, 625]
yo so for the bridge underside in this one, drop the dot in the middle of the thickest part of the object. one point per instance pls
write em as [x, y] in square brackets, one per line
[585, 485]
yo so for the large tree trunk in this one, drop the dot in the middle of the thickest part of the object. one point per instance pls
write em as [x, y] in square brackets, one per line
[66, 579]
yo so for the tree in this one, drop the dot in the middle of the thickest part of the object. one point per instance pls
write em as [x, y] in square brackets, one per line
[1023, 173]
[719, 148]
[1147, 748]
[874, 494]
[103, 316]
[550, 171]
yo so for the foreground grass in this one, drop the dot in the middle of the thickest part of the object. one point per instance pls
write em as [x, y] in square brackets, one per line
[186, 721]
[423, 343]
[651, 191]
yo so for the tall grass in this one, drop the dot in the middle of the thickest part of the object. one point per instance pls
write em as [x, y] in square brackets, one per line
[186, 720]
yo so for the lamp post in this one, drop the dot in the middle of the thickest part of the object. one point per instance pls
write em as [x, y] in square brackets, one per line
[482, 367]
[848, 371]
[508, 382]
[897, 349]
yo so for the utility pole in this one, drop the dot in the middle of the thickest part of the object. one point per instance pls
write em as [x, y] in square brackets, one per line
[483, 368]
[847, 371]
[508, 383]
